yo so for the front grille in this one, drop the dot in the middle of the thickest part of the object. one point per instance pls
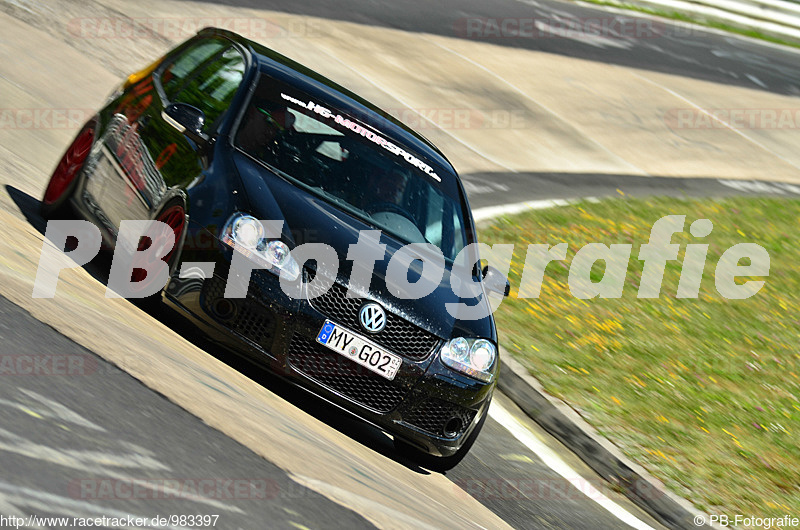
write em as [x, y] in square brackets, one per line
[344, 376]
[253, 322]
[432, 415]
[399, 336]
[246, 316]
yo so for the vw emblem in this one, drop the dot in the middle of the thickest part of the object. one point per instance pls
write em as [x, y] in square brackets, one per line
[372, 318]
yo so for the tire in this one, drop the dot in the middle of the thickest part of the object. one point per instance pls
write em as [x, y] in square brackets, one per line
[440, 463]
[173, 213]
[55, 201]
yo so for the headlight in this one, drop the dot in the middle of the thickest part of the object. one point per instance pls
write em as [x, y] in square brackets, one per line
[481, 355]
[245, 234]
[474, 357]
[247, 231]
[280, 257]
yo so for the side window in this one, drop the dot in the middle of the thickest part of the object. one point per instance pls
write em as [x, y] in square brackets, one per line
[433, 228]
[174, 75]
[213, 87]
[443, 223]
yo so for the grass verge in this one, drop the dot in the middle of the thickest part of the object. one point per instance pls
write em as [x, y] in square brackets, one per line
[703, 392]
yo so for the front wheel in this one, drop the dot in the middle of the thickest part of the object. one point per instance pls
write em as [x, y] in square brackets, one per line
[440, 463]
[55, 202]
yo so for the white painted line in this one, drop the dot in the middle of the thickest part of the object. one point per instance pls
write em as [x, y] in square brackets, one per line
[756, 80]
[554, 462]
[490, 212]
[755, 186]
[682, 26]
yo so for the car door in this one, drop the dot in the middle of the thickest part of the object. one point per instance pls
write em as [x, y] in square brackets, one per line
[143, 158]
[210, 86]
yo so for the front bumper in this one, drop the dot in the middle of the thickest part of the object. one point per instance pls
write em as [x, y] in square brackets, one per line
[428, 405]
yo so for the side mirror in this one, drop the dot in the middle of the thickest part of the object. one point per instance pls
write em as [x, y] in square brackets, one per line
[495, 282]
[187, 120]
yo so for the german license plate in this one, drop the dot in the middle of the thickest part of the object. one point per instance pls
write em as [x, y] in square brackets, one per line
[359, 350]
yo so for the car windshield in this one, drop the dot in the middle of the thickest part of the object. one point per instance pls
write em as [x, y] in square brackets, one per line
[352, 165]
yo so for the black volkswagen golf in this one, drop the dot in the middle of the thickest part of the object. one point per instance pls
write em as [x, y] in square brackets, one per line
[323, 211]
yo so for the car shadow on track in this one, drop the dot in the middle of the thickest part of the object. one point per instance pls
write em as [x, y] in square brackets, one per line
[98, 268]
[334, 417]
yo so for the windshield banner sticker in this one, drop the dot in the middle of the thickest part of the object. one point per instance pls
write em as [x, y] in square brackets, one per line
[366, 133]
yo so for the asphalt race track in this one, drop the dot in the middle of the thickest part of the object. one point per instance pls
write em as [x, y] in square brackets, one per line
[113, 424]
[683, 51]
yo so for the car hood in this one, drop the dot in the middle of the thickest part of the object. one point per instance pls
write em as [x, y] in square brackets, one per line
[310, 219]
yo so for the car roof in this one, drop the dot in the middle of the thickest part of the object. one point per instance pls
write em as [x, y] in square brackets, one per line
[316, 85]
